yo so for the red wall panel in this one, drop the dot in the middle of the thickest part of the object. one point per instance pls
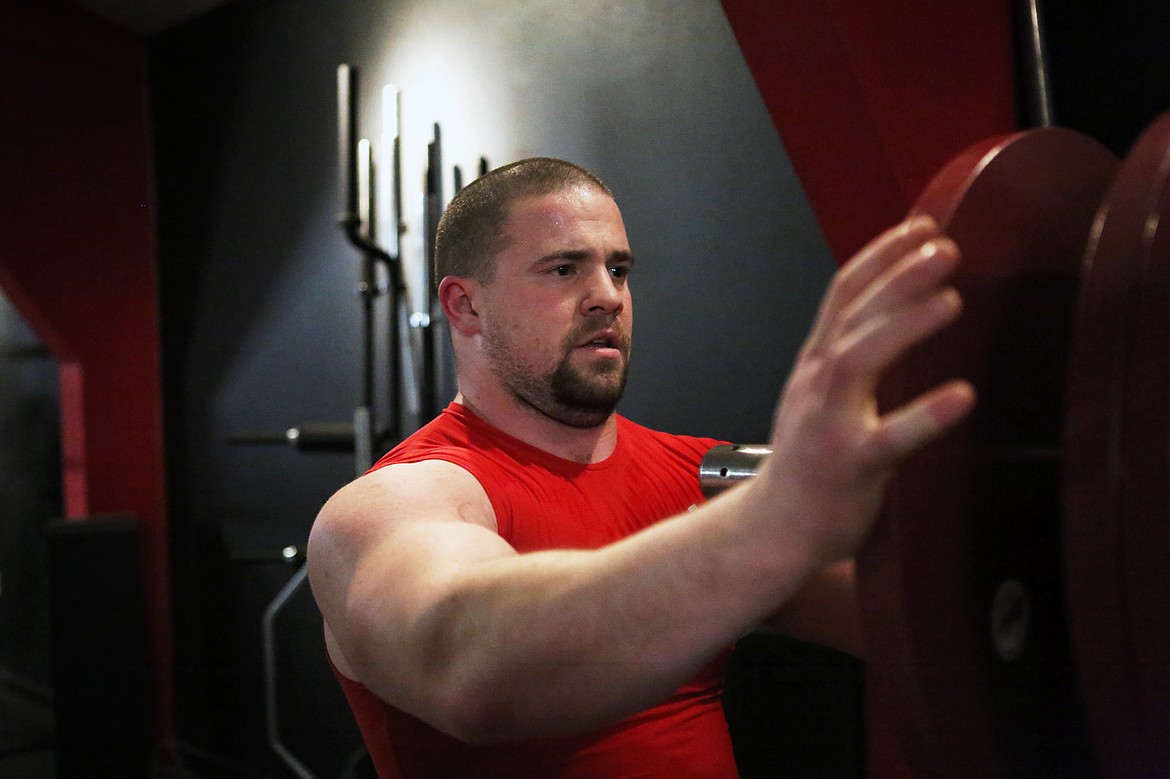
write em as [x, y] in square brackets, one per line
[77, 260]
[871, 98]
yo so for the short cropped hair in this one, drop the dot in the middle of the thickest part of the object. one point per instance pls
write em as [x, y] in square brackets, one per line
[469, 234]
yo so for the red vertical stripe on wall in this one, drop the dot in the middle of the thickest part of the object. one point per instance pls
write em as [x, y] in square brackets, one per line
[872, 97]
[77, 259]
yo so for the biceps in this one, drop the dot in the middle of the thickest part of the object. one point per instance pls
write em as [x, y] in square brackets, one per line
[397, 584]
[380, 540]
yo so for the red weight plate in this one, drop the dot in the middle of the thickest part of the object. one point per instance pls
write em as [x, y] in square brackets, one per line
[1117, 470]
[961, 585]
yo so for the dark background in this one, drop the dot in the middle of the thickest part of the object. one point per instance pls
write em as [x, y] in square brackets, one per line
[260, 321]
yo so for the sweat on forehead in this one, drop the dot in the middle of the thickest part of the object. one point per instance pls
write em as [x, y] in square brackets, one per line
[549, 209]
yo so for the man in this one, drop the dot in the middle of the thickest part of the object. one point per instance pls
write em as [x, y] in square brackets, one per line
[512, 592]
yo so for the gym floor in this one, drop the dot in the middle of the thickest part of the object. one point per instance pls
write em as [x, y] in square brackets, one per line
[26, 737]
[38, 764]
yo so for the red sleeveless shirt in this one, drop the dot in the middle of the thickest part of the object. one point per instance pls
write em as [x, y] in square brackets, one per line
[544, 502]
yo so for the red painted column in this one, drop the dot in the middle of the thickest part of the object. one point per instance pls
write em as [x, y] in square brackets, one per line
[77, 259]
[871, 98]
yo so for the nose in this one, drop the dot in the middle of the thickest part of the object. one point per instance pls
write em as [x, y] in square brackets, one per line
[604, 295]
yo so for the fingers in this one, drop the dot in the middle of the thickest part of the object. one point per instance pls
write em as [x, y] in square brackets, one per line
[832, 445]
[892, 296]
[879, 340]
[914, 276]
[889, 298]
[866, 268]
[907, 429]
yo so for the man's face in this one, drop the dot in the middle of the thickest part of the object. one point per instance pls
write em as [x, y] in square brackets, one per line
[557, 316]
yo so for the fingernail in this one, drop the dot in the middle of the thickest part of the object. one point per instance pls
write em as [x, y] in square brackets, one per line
[951, 300]
[921, 221]
[936, 245]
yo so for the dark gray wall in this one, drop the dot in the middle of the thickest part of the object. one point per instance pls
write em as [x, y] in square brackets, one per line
[260, 320]
[30, 496]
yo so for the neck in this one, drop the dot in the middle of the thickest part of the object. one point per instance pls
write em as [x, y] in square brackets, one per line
[582, 445]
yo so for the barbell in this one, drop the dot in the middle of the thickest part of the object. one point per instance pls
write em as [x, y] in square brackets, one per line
[1015, 591]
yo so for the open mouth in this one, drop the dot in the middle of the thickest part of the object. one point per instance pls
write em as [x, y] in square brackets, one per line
[608, 342]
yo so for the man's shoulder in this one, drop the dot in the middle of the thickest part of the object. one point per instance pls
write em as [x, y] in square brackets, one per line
[638, 433]
[449, 430]
[459, 437]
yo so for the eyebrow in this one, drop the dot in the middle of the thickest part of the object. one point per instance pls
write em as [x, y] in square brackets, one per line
[621, 255]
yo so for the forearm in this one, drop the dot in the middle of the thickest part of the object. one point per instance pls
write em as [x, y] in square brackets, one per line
[558, 642]
[825, 611]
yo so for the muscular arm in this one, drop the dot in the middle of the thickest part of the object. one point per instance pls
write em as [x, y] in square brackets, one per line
[437, 615]
[443, 619]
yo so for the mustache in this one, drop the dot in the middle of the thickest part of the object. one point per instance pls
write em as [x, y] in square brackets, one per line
[591, 328]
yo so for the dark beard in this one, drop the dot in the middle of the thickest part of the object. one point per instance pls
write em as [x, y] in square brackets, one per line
[569, 396]
[583, 403]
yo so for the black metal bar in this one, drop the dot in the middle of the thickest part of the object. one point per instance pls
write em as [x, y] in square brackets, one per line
[365, 416]
[1035, 103]
[347, 83]
[349, 219]
[433, 205]
[394, 360]
[352, 173]
[271, 701]
[361, 234]
[308, 437]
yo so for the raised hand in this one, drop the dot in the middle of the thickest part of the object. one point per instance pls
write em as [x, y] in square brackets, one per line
[832, 450]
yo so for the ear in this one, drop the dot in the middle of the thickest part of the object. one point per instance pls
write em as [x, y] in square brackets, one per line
[457, 297]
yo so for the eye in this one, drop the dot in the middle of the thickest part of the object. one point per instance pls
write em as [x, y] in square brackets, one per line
[619, 271]
[563, 270]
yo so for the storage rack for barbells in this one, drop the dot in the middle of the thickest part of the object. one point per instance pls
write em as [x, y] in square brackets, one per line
[414, 345]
